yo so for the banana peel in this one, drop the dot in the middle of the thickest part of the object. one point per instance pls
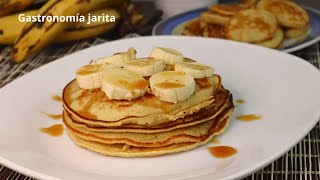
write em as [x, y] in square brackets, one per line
[8, 7]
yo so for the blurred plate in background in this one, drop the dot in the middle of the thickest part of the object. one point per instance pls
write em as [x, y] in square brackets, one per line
[175, 24]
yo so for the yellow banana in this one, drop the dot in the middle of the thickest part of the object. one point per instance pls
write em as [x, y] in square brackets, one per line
[84, 31]
[10, 27]
[37, 35]
[8, 7]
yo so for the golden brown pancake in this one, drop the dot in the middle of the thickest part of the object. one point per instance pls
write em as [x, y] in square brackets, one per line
[192, 28]
[275, 42]
[214, 18]
[288, 13]
[248, 3]
[195, 133]
[252, 25]
[94, 107]
[223, 100]
[146, 126]
[214, 31]
[296, 32]
[124, 150]
[228, 10]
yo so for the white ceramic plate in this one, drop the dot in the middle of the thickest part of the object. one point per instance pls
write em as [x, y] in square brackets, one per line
[282, 88]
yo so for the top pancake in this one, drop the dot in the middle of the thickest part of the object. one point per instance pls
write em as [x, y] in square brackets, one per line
[222, 99]
[93, 105]
[287, 13]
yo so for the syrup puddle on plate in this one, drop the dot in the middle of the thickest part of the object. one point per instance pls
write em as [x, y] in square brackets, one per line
[249, 117]
[53, 116]
[240, 101]
[222, 151]
[57, 98]
[54, 130]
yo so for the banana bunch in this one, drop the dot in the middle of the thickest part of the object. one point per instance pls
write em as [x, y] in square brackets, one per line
[35, 36]
[123, 77]
[8, 7]
[11, 27]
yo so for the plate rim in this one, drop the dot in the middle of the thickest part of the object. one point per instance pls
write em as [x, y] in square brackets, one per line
[289, 50]
[35, 174]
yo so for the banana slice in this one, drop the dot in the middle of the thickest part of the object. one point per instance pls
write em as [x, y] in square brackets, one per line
[132, 53]
[118, 59]
[170, 56]
[196, 70]
[172, 86]
[90, 76]
[145, 67]
[122, 84]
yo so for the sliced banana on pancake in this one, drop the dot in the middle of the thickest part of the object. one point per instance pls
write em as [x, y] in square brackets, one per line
[132, 52]
[196, 70]
[145, 67]
[119, 59]
[168, 55]
[172, 86]
[122, 84]
[90, 76]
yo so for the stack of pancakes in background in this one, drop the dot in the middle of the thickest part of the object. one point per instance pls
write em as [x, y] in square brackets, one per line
[263, 22]
[146, 126]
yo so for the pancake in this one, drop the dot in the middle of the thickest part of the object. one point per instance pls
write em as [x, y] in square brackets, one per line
[124, 150]
[275, 42]
[214, 18]
[297, 32]
[214, 31]
[223, 101]
[288, 13]
[252, 26]
[248, 3]
[194, 133]
[94, 107]
[192, 28]
[228, 10]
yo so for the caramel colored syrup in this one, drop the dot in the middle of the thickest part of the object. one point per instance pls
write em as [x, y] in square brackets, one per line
[57, 98]
[54, 116]
[249, 117]
[89, 69]
[169, 85]
[240, 101]
[55, 130]
[141, 84]
[222, 151]
[215, 141]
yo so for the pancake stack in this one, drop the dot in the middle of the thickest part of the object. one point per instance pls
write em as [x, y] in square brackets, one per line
[263, 22]
[152, 123]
